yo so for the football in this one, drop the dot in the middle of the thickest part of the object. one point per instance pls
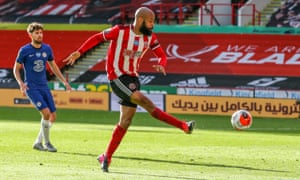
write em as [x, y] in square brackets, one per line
[241, 120]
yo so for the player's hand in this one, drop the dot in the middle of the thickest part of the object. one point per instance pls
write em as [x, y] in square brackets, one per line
[68, 87]
[70, 60]
[160, 68]
[23, 88]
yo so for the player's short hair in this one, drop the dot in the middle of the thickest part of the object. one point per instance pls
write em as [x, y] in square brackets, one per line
[34, 26]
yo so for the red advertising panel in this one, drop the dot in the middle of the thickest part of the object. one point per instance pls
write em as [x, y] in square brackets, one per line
[62, 43]
[230, 54]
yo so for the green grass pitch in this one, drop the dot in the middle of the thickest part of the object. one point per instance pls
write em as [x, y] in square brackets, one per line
[150, 149]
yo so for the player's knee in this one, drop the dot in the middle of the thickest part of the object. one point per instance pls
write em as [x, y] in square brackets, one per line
[140, 99]
[53, 117]
[125, 123]
[46, 113]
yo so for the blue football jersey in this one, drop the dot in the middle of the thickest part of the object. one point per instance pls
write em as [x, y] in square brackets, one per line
[34, 61]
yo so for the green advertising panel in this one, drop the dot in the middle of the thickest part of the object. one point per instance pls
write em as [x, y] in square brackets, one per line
[106, 88]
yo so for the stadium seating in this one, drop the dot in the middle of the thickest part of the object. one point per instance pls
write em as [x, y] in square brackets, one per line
[167, 11]
[98, 11]
[12, 10]
[287, 15]
[91, 11]
[54, 11]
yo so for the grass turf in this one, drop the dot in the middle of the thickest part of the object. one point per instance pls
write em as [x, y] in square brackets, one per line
[150, 150]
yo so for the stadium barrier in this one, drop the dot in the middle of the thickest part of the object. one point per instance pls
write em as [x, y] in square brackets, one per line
[259, 107]
[62, 99]
[243, 92]
[204, 105]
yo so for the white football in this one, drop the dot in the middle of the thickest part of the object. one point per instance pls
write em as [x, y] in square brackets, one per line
[241, 119]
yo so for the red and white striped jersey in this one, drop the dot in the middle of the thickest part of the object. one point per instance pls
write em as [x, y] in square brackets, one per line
[126, 49]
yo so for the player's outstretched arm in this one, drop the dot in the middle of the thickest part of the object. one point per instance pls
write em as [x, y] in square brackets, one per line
[88, 44]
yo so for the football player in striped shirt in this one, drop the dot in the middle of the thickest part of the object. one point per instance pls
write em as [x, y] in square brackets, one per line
[128, 44]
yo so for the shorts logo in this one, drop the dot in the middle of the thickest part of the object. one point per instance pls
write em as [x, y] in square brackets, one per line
[39, 104]
[132, 86]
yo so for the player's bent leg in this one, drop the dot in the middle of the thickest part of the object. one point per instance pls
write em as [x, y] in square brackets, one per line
[140, 99]
[169, 119]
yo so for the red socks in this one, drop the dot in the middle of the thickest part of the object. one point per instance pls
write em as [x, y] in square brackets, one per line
[115, 140]
[167, 118]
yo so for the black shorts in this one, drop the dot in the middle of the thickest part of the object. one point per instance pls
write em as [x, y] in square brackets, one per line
[123, 87]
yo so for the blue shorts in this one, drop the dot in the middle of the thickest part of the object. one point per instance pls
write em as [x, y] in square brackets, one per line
[41, 98]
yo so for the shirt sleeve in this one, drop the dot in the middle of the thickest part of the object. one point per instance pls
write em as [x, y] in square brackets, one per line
[111, 33]
[158, 51]
[106, 35]
[20, 56]
[50, 56]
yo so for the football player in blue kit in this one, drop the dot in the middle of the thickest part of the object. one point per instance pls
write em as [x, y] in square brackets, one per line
[33, 58]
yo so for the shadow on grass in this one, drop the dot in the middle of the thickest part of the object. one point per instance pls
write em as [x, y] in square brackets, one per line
[155, 176]
[199, 164]
[132, 173]
[179, 162]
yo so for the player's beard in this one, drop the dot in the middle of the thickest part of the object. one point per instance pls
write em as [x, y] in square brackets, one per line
[144, 30]
[37, 41]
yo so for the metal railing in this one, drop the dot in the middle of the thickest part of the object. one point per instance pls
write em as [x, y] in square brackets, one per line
[178, 13]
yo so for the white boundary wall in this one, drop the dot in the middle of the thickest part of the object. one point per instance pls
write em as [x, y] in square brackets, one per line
[243, 13]
[218, 9]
